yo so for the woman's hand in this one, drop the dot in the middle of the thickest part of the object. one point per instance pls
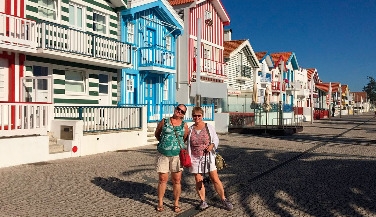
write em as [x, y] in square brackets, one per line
[209, 148]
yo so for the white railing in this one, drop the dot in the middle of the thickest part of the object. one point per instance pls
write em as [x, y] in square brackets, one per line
[102, 118]
[23, 119]
[17, 31]
[57, 37]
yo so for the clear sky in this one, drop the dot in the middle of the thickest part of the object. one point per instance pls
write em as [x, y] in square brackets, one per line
[337, 37]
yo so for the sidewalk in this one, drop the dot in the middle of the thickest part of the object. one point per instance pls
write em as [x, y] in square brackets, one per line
[326, 170]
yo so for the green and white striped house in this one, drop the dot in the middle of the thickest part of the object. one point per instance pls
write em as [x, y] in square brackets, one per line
[79, 52]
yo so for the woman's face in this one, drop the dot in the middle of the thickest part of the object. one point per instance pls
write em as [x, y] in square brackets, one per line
[197, 117]
[180, 111]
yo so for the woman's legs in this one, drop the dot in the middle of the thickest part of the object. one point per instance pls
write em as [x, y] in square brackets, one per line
[217, 184]
[200, 188]
[176, 186]
[163, 177]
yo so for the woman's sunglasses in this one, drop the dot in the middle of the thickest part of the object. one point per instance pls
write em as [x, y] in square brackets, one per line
[180, 110]
[196, 116]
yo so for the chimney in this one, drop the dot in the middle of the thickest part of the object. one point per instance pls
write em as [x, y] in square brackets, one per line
[227, 34]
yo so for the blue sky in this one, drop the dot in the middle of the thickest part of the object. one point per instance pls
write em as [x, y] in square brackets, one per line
[338, 38]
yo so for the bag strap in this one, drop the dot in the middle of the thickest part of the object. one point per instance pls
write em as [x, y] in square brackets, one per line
[176, 135]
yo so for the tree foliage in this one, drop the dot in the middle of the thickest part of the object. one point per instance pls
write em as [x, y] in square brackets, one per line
[370, 88]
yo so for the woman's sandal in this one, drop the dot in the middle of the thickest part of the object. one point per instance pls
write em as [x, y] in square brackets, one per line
[159, 208]
[177, 209]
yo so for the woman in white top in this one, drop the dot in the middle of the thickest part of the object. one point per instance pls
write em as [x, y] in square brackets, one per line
[202, 142]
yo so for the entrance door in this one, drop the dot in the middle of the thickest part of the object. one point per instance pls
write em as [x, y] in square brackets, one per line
[150, 98]
[40, 84]
[104, 89]
[4, 71]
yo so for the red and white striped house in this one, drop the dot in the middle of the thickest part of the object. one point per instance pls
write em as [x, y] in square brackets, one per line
[212, 17]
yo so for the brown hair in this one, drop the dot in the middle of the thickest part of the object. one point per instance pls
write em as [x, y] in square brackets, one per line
[197, 109]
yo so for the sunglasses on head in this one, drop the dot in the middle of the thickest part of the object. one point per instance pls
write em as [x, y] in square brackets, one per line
[180, 110]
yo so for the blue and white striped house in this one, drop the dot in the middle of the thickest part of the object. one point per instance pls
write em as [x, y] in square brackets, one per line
[152, 27]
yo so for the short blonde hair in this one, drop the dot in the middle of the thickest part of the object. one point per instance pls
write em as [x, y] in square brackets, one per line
[197, 109]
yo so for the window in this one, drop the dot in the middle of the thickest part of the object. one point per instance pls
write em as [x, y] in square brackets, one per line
[208, 15]
[42, 84]
[130, 32]
[75, 81]
[165, 90]
[168, 43]
[76, 16]
[130, 87]
[99, 23]
[48, 9]
[103, 83]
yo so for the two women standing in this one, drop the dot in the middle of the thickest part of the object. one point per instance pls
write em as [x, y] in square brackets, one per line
[202, 142]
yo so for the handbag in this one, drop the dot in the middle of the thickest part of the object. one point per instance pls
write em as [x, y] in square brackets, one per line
[185, 159]
[220, 163]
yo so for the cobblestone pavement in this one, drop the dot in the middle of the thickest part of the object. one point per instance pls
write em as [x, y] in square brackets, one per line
[326, 170]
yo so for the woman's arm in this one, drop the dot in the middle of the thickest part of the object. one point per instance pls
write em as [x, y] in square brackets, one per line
[214, 136]
[158, 130]
[186, 131]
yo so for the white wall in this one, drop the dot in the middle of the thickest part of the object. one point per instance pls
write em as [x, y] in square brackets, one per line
[23, 150]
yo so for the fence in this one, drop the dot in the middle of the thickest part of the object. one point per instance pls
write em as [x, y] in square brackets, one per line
[102, 118]
[23, 119]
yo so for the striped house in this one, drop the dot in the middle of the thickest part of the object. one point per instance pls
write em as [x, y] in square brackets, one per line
[14, 43]
[152, 27]
[79, 52]
[204, 21]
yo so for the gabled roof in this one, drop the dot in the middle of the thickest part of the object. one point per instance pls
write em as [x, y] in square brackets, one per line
[264, 55]
[230, 46]
[344, 88]
[216, 3]
[179, 2]
[163, 8]
[310, 73]
[236, 46]
[325, 86]
[359, 96]
[261, 55]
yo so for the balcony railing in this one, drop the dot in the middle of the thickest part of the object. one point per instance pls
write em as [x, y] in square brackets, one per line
[212, 67]
[17, 33]
[243, 72]
[278, 86]
[156, 57]
[52, 36]
[102, 118]
[23, 119]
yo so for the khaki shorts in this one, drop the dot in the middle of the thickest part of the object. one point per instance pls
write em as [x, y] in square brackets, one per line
[168, 164]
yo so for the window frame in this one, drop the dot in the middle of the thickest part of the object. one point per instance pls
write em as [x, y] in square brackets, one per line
[130, 85]
[84, 82]
[130, 32]
[83, 18]
[169, 43]
[56, 10]
[105, 25]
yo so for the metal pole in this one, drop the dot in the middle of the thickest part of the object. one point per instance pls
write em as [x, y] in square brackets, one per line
[340, 100]
[330, 99]
[198, 64]
[312, 100]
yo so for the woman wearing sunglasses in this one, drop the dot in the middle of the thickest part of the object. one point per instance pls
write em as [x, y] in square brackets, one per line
[171, 134]
[202, 142]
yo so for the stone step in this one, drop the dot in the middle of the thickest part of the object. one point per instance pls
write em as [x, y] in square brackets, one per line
[53, 149]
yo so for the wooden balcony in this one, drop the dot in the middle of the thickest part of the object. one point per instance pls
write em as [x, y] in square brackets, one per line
[157, 59]
[278, 86]
[64, 43]
[243, 73]
[17, 34]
